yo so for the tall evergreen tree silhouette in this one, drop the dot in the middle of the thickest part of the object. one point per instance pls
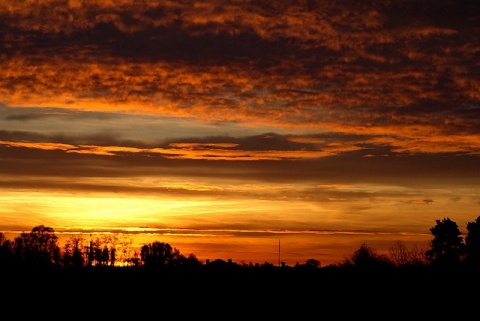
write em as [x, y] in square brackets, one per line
[472, 243]
[447, 246]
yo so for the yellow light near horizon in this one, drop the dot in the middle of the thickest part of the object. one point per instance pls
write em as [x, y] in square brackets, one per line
[246, 240]
[102, 210]
[93, 210]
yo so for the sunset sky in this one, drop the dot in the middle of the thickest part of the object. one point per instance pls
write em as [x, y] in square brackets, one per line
[227, 127]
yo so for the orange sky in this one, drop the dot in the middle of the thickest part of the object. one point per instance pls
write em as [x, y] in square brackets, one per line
[237, 124]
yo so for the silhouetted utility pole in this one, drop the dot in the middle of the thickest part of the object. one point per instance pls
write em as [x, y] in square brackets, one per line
[278, 252]
[90, 252]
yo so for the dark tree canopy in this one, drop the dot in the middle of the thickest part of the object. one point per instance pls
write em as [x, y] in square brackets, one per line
[313, 263]
[6, 253]
[366, 257]
[39, 247]
[472, 242]
[159, 254]
[447, 246]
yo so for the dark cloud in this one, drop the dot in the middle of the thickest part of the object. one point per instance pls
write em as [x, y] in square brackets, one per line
[384, 56]
[22, 136]
[343, 168]
[27, 114]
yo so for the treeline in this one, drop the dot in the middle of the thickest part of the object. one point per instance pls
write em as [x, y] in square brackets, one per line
[40, 248]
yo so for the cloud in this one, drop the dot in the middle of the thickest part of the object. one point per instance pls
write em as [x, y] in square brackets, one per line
[265, 147]
[296, 91]
[294, 64]
[422, 202]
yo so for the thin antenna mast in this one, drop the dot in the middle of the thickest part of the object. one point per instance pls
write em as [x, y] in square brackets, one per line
[278, 252]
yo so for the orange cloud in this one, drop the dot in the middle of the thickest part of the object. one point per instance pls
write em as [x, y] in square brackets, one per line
[42, 146]
[214, 151]
[321, 66]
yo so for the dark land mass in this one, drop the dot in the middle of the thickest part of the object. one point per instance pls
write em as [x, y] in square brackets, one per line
[231, 292]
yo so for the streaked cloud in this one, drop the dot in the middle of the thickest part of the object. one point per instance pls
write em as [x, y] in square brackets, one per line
[328, 65]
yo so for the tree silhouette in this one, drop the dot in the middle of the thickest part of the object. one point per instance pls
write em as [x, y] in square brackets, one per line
[158, 254]
[402, 256]
[313, 263]
[366, 257]
[447, 246]
[191, 261]
[73, 255]
[6, 251]
[39, 247]
[472, 243]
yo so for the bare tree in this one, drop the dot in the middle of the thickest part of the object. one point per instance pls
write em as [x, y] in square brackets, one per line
[73, 253]
[401, 255]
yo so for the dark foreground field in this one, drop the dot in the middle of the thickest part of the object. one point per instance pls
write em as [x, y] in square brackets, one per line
[252, 293]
